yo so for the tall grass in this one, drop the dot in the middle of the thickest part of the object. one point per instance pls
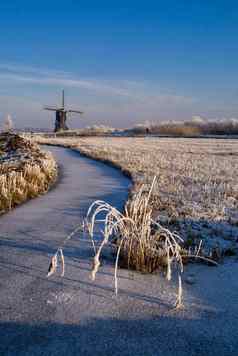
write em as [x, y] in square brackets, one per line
[141, 243]
[17, 187]
[24, 174]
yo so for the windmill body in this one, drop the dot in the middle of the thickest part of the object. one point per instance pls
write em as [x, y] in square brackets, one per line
[61, 115]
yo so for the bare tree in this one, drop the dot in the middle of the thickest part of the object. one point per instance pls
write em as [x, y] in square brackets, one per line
[8, 124]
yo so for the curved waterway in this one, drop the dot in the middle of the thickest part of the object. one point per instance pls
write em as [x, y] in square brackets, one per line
[51, 216]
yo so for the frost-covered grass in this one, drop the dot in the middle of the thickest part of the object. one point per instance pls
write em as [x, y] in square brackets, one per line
[25, 171]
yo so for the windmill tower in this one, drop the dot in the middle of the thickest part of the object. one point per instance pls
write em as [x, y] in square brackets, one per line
[61, 115]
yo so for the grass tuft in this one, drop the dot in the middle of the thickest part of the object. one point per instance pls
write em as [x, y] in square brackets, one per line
[141, 243]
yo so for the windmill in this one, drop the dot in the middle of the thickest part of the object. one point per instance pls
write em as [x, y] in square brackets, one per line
[61, 115]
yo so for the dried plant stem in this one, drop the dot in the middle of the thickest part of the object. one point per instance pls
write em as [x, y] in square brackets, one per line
[62, 260]
[116, 267]
[206, 259]
[179, 303]
[59, 253]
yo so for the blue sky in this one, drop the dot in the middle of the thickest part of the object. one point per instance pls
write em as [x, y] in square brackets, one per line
[121, 62]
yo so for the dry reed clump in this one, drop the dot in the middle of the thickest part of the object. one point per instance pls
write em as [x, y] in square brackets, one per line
[141, 243]
[144, 244]
[25, 171]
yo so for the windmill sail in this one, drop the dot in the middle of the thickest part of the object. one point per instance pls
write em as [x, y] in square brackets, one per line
[77, 111]
[51, 108]
[63, 98]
